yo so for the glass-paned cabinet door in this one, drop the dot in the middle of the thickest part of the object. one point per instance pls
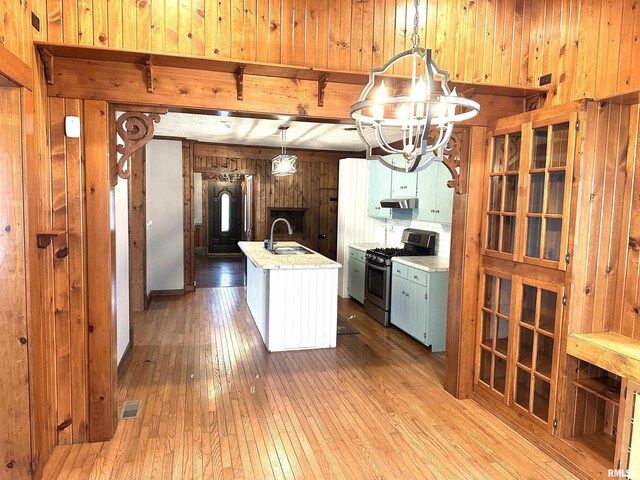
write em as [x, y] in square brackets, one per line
[549, 169]
[502, 202]
[536, 348]
[494, 332]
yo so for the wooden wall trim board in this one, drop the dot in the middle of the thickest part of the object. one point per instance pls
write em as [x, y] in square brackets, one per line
[188, 228]
[101, 281]
[15, 69]
[137, 232]
[15, 441]
[39, 267]
[463, 270]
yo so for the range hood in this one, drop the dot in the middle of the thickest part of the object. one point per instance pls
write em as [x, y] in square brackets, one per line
[399, 203]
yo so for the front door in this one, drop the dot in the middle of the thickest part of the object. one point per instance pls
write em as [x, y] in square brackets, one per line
[224, 216]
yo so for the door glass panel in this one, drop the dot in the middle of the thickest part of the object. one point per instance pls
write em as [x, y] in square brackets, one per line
[559, 145]
[508, 234]
[533, 237]
[510, 193]
[488, 326]
[552, 239]
[544, 356]
[493, 231]
[495, 197]
[504, 305]
[525, 350]
[497, 165]
[523, 387]
[548, 301]
[499, 374]
[529, 295]
[224, 212]
[489, 289]
[485, 366]
[513, 152]
[502, 340]
[539, 157]
[541, 399]
[555, 197]
[536, 192]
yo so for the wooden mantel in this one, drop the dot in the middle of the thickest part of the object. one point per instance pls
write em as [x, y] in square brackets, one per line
[194, 82]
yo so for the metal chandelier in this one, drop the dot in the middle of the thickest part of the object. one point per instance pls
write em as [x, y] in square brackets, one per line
[423, 118]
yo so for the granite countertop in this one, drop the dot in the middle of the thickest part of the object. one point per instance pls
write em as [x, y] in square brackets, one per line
[363, 247]
[263, 258]
[426, 263]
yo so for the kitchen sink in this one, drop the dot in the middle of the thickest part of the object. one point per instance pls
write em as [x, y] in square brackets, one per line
[291, 251]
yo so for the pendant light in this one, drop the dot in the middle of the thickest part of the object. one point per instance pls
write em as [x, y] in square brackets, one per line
[423, 117]
[283, 164]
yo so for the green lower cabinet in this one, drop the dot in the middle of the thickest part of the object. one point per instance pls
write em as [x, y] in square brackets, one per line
[421, 310]
[355, 280]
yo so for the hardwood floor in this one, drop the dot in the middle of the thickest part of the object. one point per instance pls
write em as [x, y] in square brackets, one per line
[220, 271]
[216, 404]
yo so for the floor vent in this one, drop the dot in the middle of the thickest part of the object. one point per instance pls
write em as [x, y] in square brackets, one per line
[130, 409]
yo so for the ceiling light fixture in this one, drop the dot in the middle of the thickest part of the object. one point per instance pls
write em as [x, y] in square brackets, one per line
[283, 164]
[411, 115]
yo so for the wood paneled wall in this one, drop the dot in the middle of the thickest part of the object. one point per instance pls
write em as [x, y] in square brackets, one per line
[317, 175]
[591, 47]
[627, 317]
[599, 218]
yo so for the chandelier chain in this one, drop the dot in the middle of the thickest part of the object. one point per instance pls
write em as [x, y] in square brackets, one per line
[415, 36]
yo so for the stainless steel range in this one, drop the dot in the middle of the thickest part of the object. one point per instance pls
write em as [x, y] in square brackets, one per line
[377, 292]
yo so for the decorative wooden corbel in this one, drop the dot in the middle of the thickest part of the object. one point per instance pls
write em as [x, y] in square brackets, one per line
[47, 60]
[535, 102]
[322, 84]
[451, 160]
[239, 79]
[136, 130]
[149, 66]
[44, 239]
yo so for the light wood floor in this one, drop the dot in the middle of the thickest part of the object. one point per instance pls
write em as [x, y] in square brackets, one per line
[217, 405]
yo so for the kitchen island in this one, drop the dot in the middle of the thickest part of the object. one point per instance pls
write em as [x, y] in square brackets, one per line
[293, 298]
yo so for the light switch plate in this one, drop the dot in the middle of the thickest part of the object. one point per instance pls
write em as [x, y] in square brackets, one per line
[72, 127]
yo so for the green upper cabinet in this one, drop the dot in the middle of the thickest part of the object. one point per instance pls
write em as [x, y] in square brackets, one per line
[379, 189]
[435, 202]
[402, 184]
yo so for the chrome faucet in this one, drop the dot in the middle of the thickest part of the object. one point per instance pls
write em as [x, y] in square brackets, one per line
[271, 244]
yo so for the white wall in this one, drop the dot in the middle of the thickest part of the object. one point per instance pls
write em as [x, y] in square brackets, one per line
[122, 266]
[355, 226]
[165, 251]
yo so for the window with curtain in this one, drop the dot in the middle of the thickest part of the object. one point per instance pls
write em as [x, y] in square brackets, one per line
[225, 206]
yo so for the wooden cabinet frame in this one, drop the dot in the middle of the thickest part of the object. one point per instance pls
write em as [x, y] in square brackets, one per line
[524, 188]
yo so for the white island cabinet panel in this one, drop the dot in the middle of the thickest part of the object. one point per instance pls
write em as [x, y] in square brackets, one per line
[257, 288]
[293, 298]
[306, 310]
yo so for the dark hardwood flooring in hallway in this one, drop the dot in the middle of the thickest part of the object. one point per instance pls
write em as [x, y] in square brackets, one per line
[217, 405]
[214, 272]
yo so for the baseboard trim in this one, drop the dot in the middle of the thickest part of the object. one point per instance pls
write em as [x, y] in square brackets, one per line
[166, 293]
[125, 358]
[189, 288]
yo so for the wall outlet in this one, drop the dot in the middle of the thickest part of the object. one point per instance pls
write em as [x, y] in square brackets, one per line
[35, 21]
[545, 79]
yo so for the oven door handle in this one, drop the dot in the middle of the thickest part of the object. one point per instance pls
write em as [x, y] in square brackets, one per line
[376, 267]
